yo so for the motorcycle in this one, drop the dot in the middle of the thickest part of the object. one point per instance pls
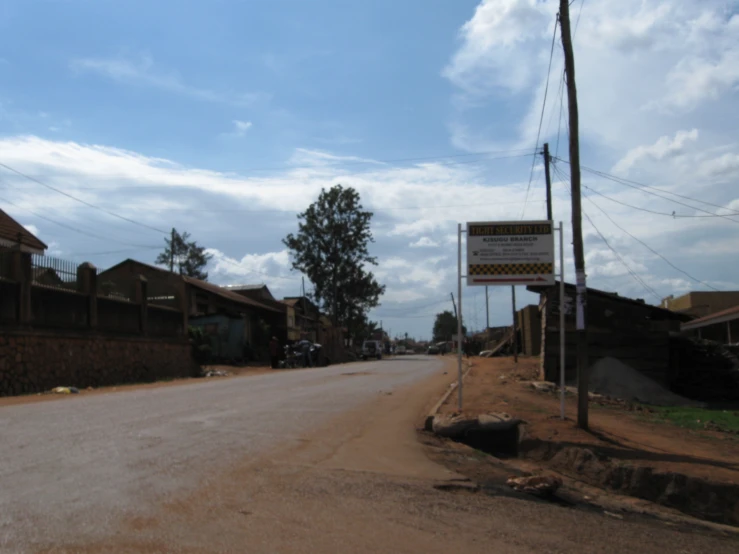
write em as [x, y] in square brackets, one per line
[292, 358]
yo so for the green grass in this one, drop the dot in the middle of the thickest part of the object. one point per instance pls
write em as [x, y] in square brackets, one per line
[699, 418]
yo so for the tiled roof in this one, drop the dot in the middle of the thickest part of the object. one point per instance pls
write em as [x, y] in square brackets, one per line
[10, 228]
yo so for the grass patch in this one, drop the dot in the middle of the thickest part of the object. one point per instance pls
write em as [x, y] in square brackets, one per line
[699, 418]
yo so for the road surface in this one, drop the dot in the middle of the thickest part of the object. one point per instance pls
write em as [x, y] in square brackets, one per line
[321, 460]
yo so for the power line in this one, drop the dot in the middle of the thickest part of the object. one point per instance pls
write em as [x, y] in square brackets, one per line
[621, 259]
[541, 117]
[650, 248]
[673, 215]
[513, 153]
[69, 227]
[81, 201]
[648, 190]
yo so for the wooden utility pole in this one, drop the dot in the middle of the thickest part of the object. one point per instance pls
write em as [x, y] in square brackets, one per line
[577, 243]
[171, 252]
[514, 338]
[487, 310]
[547, 158]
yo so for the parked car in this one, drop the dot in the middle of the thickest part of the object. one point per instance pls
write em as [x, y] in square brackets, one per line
[372, 349]
[433, 349]
[400, 349]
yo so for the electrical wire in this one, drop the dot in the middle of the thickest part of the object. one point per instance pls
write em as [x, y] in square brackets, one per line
[510, 153]
[649, 247]
[541, 117]
[647, 189]
[113, 214]
[621, 259]
[70, 227]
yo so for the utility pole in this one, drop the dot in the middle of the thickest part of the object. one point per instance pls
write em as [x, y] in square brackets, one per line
[577, 243]
[171, 252]
[515, 336]
[547, 159]
[487, 310]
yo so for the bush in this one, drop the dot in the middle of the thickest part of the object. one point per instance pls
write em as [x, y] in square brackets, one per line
[200, 345]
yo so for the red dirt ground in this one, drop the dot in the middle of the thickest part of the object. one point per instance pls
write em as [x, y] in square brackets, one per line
[500, 385]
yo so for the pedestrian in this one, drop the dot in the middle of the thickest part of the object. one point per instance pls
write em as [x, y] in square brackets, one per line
[305, 346]
[274, 352]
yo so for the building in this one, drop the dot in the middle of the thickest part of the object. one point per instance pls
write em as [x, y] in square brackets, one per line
[13, 234]
[721, 326]
[197, 298]
[630, 330]
[303, 318]
[702, 303]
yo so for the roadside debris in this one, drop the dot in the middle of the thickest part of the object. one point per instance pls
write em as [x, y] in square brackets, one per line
[541, 485]
[215, 373]
[65, 390]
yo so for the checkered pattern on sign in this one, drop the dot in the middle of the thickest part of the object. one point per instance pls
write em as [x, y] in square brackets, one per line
[511, 269]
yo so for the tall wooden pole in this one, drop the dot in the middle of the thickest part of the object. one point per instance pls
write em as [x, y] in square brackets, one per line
[171, 252]
[515, 334]
[577, 243]
[547, 158]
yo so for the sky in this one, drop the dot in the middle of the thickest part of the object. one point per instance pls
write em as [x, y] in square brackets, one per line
[225, 119]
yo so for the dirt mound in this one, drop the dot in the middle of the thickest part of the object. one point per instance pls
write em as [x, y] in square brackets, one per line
[612, 377]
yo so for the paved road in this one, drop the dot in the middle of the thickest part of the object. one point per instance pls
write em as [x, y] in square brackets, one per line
[314, 461]
[72, 467]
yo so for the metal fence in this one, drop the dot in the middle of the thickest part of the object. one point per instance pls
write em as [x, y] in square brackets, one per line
[53, 272]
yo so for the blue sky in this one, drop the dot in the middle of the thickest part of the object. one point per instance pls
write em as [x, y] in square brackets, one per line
[226, 118]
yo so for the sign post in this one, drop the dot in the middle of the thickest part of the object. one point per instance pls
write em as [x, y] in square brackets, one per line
[507, 253]
[510, 253]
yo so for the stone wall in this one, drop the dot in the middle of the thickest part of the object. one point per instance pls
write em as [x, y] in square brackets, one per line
[37, 361]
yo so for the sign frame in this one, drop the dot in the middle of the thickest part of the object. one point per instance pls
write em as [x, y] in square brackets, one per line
[505, 253]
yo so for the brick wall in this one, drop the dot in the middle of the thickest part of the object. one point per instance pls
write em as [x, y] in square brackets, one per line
[37, 361]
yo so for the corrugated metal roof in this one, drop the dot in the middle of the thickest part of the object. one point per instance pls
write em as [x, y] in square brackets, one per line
[723, 316]
[10, 228]
[203, 285]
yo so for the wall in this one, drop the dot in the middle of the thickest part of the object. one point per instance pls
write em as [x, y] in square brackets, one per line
[37, 361]
[702, 303]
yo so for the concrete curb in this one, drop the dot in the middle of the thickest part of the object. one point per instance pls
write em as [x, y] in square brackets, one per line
[429, 422]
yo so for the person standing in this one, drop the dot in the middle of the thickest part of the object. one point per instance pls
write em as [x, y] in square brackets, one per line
[274, 352]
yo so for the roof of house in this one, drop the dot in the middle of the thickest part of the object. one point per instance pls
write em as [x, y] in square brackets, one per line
[616, 297]
[203, 285]
[244, 287]
[10, 229]
[723, 316]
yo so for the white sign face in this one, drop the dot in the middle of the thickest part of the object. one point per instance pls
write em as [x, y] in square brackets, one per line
[510, 253]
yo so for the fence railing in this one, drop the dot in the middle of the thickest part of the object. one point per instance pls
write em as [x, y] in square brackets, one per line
[49, 292]
[53, 272]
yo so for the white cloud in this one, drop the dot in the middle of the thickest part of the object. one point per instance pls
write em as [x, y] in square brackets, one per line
[424, 242]
[142, 72]
[32, 229]
[491, 43]
[239, 128]
[664, 147]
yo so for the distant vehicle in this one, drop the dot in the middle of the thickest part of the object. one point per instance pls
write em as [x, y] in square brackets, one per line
[372, 349]
[433, 349]
[400, 349]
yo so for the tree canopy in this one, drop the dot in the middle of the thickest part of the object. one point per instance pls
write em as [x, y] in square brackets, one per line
[331, 248]
[445, 326]
[184, 256]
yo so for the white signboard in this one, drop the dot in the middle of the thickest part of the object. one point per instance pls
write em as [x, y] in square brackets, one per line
[510, 253]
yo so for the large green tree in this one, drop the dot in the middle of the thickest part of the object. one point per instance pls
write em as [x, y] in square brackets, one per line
[184, 256]
[445, 326]
[331, 248]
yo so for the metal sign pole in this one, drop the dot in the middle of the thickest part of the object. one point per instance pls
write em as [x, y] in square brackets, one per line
[459, 316]
[561, 321]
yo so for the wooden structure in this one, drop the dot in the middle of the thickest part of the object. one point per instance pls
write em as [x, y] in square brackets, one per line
[630, 330]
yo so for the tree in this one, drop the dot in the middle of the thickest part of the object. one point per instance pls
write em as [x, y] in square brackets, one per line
[445, 326]
[331, 249]
[185, 255]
